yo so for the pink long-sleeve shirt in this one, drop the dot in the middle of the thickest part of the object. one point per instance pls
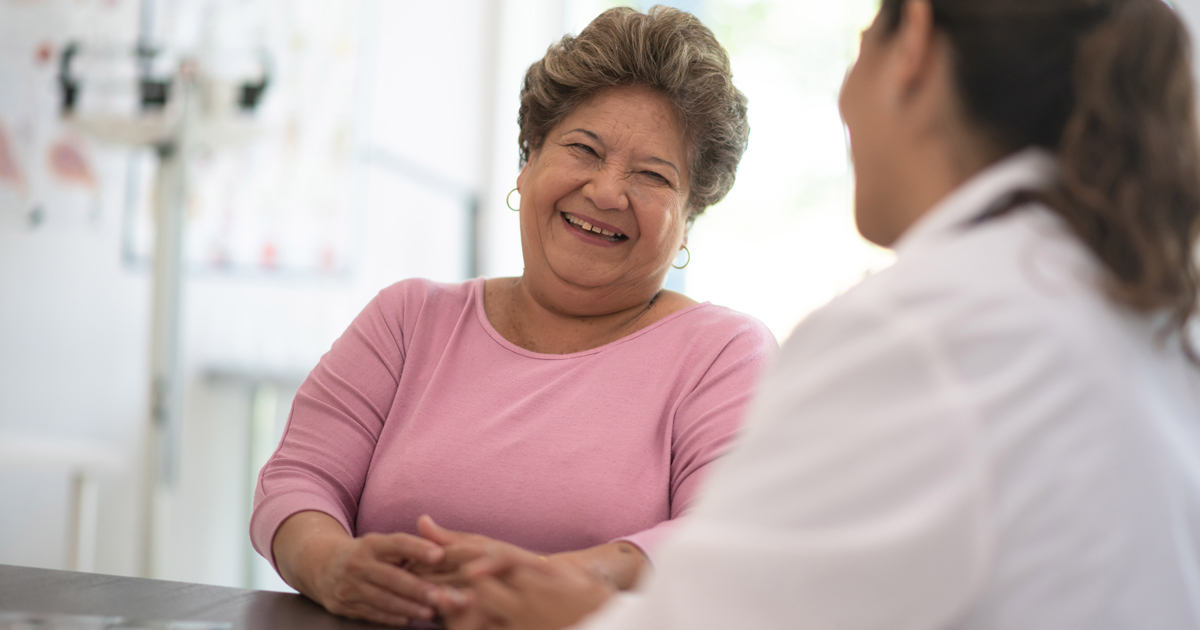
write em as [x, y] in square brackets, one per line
[422, 407]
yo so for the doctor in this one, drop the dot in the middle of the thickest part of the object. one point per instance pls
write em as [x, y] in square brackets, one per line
[1003, 429]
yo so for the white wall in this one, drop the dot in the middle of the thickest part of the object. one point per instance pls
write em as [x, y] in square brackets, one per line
[73, 356]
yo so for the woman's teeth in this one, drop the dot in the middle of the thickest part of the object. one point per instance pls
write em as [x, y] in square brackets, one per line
[580, 223]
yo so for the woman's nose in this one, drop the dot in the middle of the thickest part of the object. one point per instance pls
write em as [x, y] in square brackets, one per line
[607, 189]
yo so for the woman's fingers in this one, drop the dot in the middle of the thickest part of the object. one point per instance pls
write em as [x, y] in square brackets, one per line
[399, 582]
[487, 566]
[460, 613]
[398, 548]
[452, 578]
[360, 600]
[450, 599]
[389, 603]
[497, 599]
[429, 529]
[502, 560]
[460, 549]
[366, 583]
[454, 556]
[541, 595]
[356, 597]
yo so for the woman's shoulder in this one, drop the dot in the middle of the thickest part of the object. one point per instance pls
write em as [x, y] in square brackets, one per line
[705, 323]
[415, 295]
[418, 304]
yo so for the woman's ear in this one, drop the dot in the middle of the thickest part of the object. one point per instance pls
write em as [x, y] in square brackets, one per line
[533, 157]
[521, 176]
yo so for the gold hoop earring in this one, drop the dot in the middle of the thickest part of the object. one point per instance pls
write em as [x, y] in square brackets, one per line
[689, 260]
[509, 203]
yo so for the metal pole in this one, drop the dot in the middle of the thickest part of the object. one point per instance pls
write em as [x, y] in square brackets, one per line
[81, 542]
[166, 373]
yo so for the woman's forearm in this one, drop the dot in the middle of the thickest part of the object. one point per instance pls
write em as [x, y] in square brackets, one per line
[302, 544]
[618, 563]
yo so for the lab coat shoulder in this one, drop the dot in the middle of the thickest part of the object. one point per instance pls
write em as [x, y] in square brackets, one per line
[971, 271]
[1001, 305]
[1016, 307]
[858, 383]
[864, 474]
[860, 477]
[1019, 272]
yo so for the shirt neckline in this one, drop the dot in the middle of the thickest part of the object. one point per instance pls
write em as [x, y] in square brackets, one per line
[481, 314]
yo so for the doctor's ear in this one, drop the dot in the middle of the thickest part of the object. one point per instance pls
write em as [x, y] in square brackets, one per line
[914, 48]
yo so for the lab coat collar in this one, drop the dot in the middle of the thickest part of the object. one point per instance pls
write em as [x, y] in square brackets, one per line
[1030, 168]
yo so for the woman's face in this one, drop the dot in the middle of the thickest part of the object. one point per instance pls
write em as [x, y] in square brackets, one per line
[604, 202]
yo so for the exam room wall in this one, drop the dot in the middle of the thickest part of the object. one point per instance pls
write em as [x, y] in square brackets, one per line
[74, 320]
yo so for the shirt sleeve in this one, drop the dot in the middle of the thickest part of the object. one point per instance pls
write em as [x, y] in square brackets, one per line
[336, 418]
[708, 419]
[856, 498]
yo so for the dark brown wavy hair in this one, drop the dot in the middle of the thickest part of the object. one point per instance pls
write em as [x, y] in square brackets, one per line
[667, 49]
[1107, 85]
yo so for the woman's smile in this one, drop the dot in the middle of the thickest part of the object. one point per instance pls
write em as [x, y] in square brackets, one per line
[592, 231]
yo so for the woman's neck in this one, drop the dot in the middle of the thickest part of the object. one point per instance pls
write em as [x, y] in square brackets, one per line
[516, 312]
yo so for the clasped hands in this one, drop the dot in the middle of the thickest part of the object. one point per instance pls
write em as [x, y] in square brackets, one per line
[472, 582]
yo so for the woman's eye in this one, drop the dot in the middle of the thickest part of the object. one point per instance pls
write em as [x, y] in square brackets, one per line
[656, 176]
[584, 147]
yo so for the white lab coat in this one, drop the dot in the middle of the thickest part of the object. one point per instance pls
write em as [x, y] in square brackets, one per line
[974, 438]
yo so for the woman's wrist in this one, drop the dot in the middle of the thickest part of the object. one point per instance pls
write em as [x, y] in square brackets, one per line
[313, 561]
[304, 546]
[617, 564]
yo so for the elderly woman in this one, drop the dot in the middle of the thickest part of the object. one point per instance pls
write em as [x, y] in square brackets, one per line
[570, 411]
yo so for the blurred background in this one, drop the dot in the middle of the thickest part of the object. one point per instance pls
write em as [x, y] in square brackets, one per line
[312, 153]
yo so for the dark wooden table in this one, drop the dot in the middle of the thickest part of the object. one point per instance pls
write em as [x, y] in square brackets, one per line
[43, 591]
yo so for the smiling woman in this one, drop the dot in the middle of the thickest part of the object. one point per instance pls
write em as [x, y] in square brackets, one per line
[604, 208]
[571, 411]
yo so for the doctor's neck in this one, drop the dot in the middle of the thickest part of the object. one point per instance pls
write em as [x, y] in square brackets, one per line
[932, 163]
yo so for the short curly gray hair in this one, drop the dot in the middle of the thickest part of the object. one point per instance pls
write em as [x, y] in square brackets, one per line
[667, 49]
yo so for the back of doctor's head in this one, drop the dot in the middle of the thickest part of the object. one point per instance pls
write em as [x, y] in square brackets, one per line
[1107, 85]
